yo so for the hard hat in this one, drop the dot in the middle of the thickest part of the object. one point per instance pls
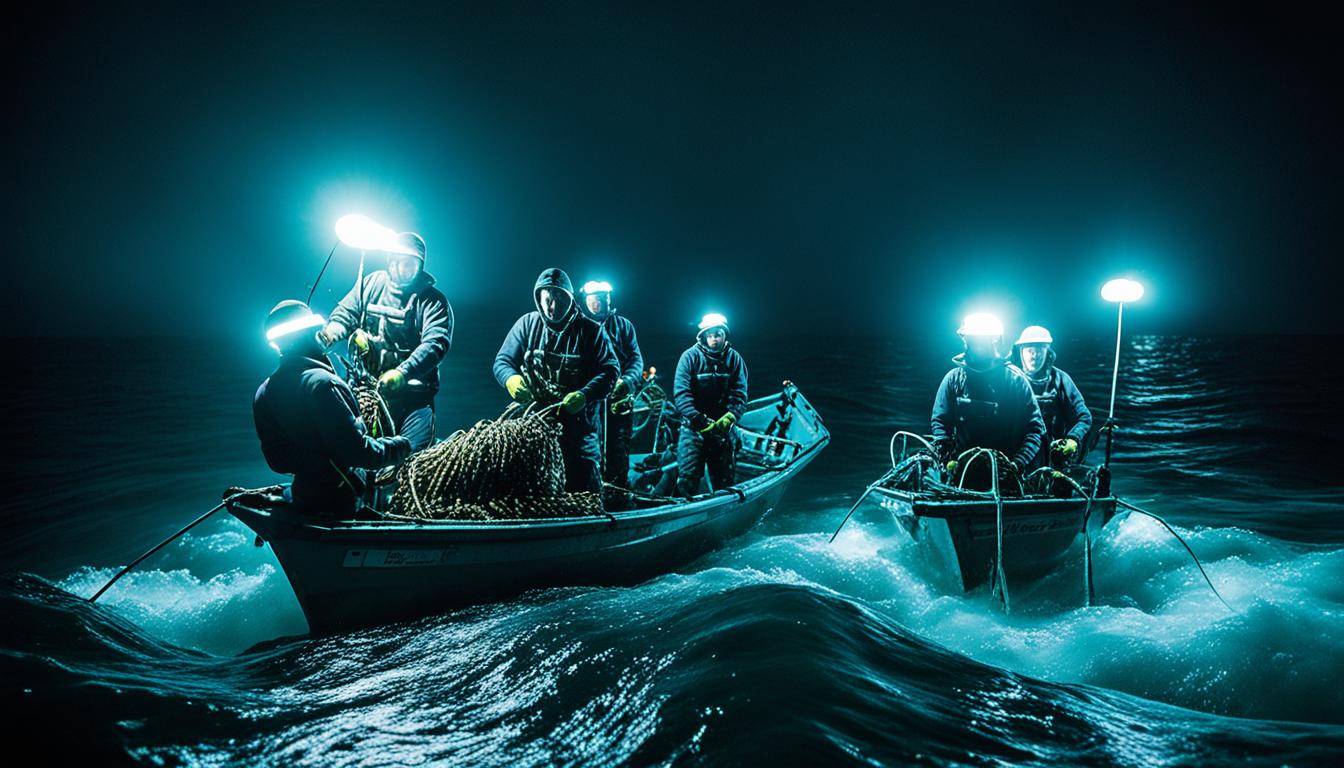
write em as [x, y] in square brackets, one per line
[980, 324]
[410, 244]
[713, 320]
[290, 317]
[1034, 334]
[597, 286]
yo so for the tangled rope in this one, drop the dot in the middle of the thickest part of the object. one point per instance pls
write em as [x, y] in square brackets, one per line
[507, 469]
[373, 410]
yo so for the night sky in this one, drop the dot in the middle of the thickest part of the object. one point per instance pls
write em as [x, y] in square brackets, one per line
[860, 170]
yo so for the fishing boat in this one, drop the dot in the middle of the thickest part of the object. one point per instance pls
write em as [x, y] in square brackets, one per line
[975, 537]
[354, 573]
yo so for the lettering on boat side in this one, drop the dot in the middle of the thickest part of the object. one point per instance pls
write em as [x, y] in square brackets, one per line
[392, 558]
[1025, 526]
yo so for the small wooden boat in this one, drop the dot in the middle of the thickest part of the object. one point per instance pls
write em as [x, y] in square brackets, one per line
[962, 531]
[355, 573]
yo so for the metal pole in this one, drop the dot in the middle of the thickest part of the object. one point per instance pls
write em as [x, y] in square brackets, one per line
[1115, 371]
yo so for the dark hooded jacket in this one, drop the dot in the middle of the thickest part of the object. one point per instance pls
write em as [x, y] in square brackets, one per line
[416, 321]
[1062, 406]
[621, 332]
[993, 408]
[573, 354]
[308, 422]
[709, 384]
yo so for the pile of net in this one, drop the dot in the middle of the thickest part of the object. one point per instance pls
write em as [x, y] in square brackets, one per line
[371, 410]
[506, 469]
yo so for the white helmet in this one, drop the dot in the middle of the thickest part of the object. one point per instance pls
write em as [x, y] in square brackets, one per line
[1034, 334]
[980, 324]
[713, 320]
[596, 286]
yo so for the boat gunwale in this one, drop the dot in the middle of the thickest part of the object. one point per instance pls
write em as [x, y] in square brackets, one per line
[950, 508]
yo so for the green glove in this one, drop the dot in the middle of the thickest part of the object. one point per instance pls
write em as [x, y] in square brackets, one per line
[392, 380]
[1066, 447]
[619, 390]
[574, 402]
[517, 389]
[952, 467]
[725, 422]
[361, 341]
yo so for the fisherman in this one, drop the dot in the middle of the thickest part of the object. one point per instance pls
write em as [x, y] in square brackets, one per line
[985, 401]
[402, 327]
[1067, 419]
[308, 421]
[619, 417]
[556, 355]
[710, 393]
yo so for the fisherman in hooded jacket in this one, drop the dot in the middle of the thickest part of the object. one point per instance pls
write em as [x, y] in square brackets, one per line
[710, 392]
[308, 421]
[619, 422]
[557, 355]
[985, 401]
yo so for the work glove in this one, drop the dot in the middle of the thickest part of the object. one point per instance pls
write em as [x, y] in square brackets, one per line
[1065, 447]
[517, 389]
[725, 422]
[952, 467]
[391, 381]
[398, 448]
[574, 402]
[708, 422]
[361, 341]
[328, 335]
[619, 390]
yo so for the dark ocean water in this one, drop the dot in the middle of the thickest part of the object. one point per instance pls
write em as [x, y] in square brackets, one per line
[778, 648]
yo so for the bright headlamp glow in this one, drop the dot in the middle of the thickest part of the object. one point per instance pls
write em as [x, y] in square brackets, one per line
[597, 286]
[358, 231]
[294, 326]
[713, 320]
[1122, 290]
[980, 324]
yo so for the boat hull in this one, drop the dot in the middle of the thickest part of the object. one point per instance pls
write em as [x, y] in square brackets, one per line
[961, 537]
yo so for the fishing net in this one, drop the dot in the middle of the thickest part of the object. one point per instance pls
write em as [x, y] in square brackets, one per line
[507, 469]
[372, 410]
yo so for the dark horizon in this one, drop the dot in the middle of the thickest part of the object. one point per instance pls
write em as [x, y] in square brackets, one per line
[871, 171]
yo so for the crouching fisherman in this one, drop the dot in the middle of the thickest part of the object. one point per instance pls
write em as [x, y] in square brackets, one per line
[556, 355]
[710, 393]
[619, 422]
[402, 328]
[985, 402]
[308, 421]
[1067, 419]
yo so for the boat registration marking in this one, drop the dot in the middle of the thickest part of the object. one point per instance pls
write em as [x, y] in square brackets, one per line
[1023, 526]
[393, 558]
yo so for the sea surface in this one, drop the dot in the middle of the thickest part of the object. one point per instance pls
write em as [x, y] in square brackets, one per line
[778, 648]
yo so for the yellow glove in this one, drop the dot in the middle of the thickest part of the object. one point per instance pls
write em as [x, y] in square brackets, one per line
[725, 422]
[361, 341]
[392, 380]
[952, 467]
[574, 402]
[1066, 447]
[517, 389]
[619, 390]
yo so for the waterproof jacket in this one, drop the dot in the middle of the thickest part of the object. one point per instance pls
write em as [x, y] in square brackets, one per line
[308, 422]
[1062, 406]
[708, 385]
[621, 332]
[993, 408]
[416, 323]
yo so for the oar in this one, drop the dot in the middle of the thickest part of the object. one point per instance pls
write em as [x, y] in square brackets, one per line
[161, 545]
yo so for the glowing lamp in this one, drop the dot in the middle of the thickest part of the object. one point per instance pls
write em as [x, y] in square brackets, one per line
[597, 286]
[361, 232]
[1122, 290]
[713, 320]
[980, 324]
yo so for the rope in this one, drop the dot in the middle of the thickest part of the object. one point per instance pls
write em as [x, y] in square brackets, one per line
[1193, 556]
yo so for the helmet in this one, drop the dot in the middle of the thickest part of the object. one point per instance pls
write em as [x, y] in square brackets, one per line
[287, 319]
[410, 244]
[711, 321]
[597, 286]
[980, 324]
[1034, 334]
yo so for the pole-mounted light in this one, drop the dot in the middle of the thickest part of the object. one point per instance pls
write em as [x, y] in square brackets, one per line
[1119, 292]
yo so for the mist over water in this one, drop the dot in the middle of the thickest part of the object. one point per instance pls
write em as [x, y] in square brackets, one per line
[778, 646]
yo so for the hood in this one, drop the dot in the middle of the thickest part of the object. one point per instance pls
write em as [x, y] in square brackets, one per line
[557, 279]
